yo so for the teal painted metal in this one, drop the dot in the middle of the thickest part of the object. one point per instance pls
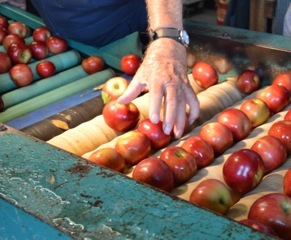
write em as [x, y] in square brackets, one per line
[86, 201]
[17, 224]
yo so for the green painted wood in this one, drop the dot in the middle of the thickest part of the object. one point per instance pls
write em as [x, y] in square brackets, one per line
[86, 201]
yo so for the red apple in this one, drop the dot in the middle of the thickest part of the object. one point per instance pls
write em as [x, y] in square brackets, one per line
[130, 63]
[218, 136]
[120, 117]
[287, 182]
[114, 88]
[258, 226]
[56, 44]
[282, 131]
[243, 170]
[181, 162]
[288, 115]
[257, 111]
[133, 146]
[21, 74]
[18, 28]
[248, 81]
[155, 133]
[41, 34]
[213, 195]
[19, 53]
[109, 158]
[283, 79]
[204, 74]
[154, 172]
[200, 149]
[273, 210]
[12, 38]
[272, 151]
[45, 69]
[3, 22]
[3, 34]
[5, 62]
[237, 121]
[275, 96]
[39, 50]
[92, 64]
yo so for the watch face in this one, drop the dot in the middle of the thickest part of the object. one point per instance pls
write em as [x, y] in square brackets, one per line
[185, 37]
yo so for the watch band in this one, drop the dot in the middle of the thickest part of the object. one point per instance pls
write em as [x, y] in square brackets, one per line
[178, 35]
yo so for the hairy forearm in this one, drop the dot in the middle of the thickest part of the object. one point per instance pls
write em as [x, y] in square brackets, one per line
[165, 13]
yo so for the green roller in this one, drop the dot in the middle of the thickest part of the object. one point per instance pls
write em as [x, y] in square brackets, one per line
[62, 61]
[55, 95]
[42, 86]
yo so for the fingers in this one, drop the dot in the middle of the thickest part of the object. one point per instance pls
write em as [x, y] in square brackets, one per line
[132, 91]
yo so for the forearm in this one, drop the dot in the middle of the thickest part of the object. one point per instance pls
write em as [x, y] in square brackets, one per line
[165, 13]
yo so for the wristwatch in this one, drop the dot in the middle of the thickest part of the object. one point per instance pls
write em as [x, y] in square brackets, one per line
[179, 35]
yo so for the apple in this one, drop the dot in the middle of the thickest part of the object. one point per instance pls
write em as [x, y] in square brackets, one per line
[130, 63]
[5, 62]
[237, 121]
[109, 158]
[257, 111]
[287, 182]
[18, 28]
[3, 22]
[120, 117]
[273, 210]
[243, 170]
[41, 34]
[282, 130]
[56, 44]
[39, 50]
[283, 79]
[133, 146]
[3, 34]
[155, 133]
[45, 69]
[258, 226]
[272, 151]
[21, 74]
[200, 149]
[12, 38]
[275, 96]
[288, 115]
[114, 88]
[204, 74]
[154, 172]
[181, 162]
[92, 64]
[218, 136]
[19, 53]
[213, 195]
[248, 81]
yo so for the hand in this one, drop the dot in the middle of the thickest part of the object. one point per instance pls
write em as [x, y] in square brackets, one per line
[17, 3]
[164, 73]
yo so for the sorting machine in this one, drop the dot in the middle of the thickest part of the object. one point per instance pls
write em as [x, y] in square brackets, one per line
[49, 191]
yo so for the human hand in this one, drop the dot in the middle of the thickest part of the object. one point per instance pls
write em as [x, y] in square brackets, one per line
[164, 73]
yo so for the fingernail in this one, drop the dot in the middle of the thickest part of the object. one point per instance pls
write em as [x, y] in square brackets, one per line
[154, 118]
[191, 120]
[167, 129]
[178, 133]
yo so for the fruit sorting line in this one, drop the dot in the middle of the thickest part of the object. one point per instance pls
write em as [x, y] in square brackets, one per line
[55, 194]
